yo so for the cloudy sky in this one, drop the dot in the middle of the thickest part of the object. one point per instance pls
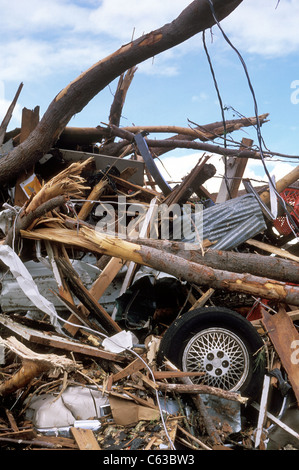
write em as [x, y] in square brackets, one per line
[45, 44]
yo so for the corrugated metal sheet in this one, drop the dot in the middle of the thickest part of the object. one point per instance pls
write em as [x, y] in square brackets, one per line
[13, 298]
[230, 223]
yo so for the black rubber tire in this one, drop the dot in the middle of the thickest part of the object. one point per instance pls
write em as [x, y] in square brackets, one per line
[176, 338]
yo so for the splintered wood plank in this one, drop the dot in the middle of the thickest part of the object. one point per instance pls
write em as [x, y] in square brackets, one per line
[235, 169]
[285, 340]
[30, 119]
[272, 249]
[86, 298]
[98, 288]
[59, 342]
[172, 426]
[135, 366]
[85, 439]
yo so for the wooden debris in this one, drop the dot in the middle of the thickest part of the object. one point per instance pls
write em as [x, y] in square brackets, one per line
[171, 264]
[86, 298]
[33, 365]
[55, 221]
[60, 342]
[194, 389]
[133, 367]
[85, 439]
[285, 339]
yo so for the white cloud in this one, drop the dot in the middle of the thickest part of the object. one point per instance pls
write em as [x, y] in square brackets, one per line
[138, 17]
[200, 98]
[265, 27]
[40, 16]
[28, 59]
[173, 169]
[43, 37]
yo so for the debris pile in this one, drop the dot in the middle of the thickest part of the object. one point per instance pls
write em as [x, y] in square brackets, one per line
[138, 314]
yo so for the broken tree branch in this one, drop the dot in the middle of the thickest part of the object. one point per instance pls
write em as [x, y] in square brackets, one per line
[124, 83]
[82, 136]
[75, 96]
[25, 221]
[33, 364]
[168, 144]
[199, 388]
[272, 267]
[171, 264]
[8, 115]
[203, 133]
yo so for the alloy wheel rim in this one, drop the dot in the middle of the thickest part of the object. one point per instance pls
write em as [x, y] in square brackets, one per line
[221, 355]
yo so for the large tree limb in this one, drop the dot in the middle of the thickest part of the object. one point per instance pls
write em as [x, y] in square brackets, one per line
[33, 364]
[272, 267]
[170, 144]
[74, 97]
[91, 135]
[24, 221]
[176, 266]
[204, 133]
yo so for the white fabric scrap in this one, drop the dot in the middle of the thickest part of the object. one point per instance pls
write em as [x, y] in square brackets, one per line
[27, 284]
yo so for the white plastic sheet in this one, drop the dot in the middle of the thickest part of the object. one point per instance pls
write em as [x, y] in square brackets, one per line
[118, 342]
[27, 284]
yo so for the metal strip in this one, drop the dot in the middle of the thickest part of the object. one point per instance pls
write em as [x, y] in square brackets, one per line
[151, 165]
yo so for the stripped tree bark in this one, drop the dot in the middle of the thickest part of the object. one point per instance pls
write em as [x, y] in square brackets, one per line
[174, 265]
[272, 267]
[75, 96]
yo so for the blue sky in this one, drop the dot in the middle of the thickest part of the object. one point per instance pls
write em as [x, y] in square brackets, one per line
[47, 43]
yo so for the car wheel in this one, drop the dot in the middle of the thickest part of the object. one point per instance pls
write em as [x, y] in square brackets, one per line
[219, 342]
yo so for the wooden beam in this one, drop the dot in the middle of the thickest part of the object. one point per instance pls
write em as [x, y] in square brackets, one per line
[235, 168]
[86, 298]
[30, 119]
[59, 342]
[135, 366]
[85, 439]
[285, 339]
